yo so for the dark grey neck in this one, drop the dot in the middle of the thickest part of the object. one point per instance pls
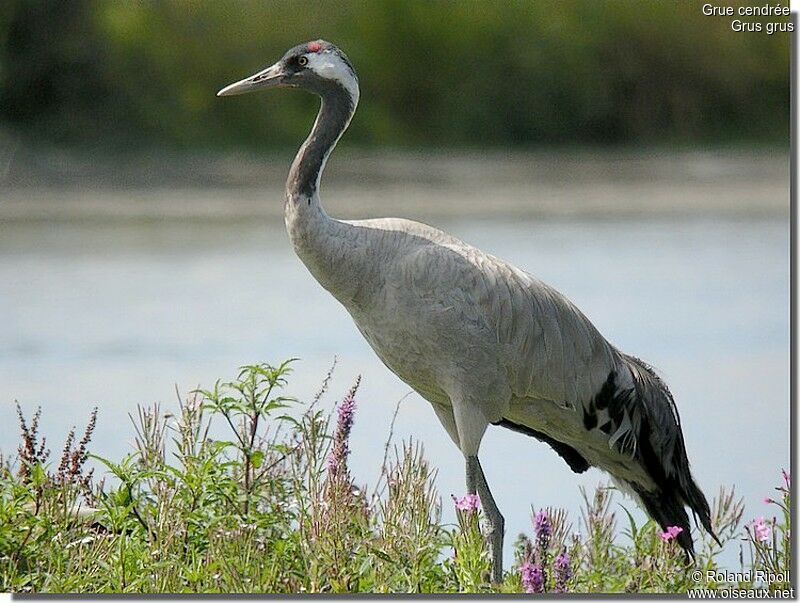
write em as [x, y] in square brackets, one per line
[334, 116]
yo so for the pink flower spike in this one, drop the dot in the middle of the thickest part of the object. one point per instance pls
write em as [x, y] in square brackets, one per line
[468, 502]
[532, 577]
[787, 479]
[670, 533]
[762, 531]
[768, 500]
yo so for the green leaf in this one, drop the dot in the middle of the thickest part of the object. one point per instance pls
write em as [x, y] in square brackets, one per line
[256, 458]
[631, 522]
[382, 555]
[38, 476]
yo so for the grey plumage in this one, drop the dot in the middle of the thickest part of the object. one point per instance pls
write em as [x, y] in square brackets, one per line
[484, 342]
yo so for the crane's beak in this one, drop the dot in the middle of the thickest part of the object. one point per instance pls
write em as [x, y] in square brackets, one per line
[271, 77]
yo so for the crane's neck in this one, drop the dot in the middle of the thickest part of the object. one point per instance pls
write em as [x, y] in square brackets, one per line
[337, 108]
[322, 243]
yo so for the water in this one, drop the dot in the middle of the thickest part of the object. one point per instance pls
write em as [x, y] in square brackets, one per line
[116, 314]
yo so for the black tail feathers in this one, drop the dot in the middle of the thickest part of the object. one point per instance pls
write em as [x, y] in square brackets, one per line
[667, 509]
[662, 452]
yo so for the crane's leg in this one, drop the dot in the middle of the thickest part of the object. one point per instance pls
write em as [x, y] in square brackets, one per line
[476, 483]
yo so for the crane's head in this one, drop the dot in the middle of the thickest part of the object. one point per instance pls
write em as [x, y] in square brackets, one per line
[313, 66]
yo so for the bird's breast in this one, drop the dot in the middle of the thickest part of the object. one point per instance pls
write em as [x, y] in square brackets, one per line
[407, 352]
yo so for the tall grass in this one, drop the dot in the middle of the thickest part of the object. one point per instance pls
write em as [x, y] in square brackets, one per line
[274, 508]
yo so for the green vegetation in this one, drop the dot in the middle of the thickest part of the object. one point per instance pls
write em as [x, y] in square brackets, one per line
[141, 75]
[274, 509]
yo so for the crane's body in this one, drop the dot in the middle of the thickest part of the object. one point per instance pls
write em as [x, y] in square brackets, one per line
[483, 341]
[454, 322]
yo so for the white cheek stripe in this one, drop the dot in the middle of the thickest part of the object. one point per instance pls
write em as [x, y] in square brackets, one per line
[329, 66]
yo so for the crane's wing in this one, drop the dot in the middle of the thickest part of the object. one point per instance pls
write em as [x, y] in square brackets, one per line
[556, 354]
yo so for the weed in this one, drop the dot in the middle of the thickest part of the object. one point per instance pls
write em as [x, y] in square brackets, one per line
[273, 508]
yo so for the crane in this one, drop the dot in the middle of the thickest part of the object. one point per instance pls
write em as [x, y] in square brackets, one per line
[481, 340]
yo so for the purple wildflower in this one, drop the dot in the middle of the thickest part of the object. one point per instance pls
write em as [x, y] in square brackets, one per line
[532, 577]
[787, 480]
[761, 529]
[467, 503]
[768, 500]
[562, 571]
[337, 459]
[671, 532]
[544, 529]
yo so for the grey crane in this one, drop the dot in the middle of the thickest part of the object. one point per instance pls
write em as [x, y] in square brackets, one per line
[481, 340]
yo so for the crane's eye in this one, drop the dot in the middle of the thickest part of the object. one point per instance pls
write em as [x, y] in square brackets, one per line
[302, 61]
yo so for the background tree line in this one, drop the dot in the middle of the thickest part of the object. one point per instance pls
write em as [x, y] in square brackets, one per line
[460, 73]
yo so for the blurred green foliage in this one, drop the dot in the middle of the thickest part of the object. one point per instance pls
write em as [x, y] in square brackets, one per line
[447, 73]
